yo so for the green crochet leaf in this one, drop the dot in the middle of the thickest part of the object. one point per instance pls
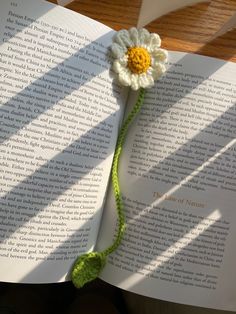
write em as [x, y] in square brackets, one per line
[87, 267]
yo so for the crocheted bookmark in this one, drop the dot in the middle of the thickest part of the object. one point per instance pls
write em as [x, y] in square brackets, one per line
[139, 61]
[88, 266]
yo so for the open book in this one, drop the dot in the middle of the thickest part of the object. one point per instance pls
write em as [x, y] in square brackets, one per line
[59, 118]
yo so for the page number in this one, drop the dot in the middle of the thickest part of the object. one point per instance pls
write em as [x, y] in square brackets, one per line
[13, 4]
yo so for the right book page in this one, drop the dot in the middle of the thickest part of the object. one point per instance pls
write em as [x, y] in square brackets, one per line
[178, 180]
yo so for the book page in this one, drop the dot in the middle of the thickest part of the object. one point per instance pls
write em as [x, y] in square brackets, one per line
[59, 116]
[178, 179]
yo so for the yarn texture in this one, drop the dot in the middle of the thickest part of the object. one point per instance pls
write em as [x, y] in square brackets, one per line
[87, 267]
[139, 61]
[138, 58]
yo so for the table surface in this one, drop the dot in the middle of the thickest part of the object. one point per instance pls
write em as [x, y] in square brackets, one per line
[191, 29]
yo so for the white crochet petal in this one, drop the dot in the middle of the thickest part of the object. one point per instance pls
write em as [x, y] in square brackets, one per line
[135, 81]
[134, 36]
[123, 60]
[125, 77]
[118, 66]
[117, 50]
[159, 66]
[143, 36]
[155, 74]
[153, 40]
[123, 39]
[146, 80]
[157, 70]
[158, 54]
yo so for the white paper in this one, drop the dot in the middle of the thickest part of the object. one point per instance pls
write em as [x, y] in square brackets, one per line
[151, 10]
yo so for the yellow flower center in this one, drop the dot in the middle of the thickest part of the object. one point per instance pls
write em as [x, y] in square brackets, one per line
[139, 59]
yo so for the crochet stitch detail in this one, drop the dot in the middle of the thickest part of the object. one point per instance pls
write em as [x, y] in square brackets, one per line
[139, 60]
[88, 266]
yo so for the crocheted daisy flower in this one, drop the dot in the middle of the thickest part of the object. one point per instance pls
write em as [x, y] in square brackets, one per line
[139, 58]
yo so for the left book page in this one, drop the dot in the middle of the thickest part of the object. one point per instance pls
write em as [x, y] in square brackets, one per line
[59, 117]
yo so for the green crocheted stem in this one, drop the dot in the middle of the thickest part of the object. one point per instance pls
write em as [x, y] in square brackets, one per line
[88, 266]
[114, 173]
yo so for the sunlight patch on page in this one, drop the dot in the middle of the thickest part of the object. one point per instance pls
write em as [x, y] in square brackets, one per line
[195, 172]
[134, 279]
[52, 71]
[189, 106]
